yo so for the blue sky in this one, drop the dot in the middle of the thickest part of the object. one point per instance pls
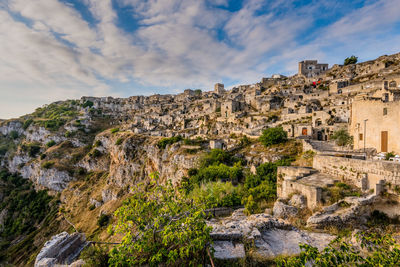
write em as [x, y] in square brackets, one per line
[62, 49]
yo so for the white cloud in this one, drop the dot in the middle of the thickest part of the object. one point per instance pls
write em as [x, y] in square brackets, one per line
[178, 43]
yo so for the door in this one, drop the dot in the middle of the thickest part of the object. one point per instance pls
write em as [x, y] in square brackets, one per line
[384, 141]
[304, 131]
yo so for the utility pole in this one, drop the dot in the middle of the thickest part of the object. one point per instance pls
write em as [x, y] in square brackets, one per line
[365, 133]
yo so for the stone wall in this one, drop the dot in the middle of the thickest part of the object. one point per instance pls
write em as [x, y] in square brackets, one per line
[356, 170]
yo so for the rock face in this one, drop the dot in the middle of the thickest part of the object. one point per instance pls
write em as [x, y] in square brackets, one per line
[283, 211]
[271, 237]
[350, 210]
[60, 249]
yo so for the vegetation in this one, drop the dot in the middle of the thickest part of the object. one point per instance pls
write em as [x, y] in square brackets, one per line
[31, 148]
[95, 256]
[160, 226]
[26, 209]
[261, 187]
[389, 155]
[341, 190]
[103, 220]
[48, 164]
[119, 141]
[88, 103]
[218, 194]
[114, 130]
[350, 60]
[14, 135]
[50, 143]
[53, 116]
[162, 144]
[342, 137]
[273, 136]
[374, 250]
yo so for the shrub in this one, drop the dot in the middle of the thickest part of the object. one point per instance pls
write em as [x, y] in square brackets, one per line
[342, 137]
[389, 155]
[350, 60]
[50, 143]
[103, 220]
[96, 153]
[43, 156]
[88, 103]
[162, 144]
[219, 172]
[216, 157]
[14, 135]
[97, 143]
[114, 130]
[250, 206]
[27, 123]
[272, 136]
[92, 207]
[217, 194]
[48, 164]
[95, 256]
[32, 149]
[68, 134]
[119, 141]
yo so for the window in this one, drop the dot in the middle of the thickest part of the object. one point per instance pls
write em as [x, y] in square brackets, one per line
[360, 137]
[384, 111]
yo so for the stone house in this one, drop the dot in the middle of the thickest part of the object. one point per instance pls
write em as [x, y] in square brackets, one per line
[311, 68]
[219, 88]
[376, 123]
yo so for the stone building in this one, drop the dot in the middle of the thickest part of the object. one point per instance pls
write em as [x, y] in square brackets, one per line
[376, 123]
[311, 68]
[219, 88]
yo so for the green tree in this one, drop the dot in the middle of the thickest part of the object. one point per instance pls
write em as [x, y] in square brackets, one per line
[350, 60]
[272, 136]
[160, 226]
[342, 137]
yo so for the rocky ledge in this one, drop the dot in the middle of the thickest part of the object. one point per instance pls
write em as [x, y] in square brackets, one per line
[260, 237]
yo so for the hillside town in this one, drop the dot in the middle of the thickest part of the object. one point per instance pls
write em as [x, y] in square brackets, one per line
[115, 142]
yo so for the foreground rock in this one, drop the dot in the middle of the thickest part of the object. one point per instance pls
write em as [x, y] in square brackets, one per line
[350, 210]
[271, 237]
[283, 211]
[61, 249]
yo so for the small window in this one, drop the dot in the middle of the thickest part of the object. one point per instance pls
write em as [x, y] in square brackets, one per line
[360, 137]
[384, 111]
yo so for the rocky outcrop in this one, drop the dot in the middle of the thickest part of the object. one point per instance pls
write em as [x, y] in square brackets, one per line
[60, 249]
[350, 210]
[283, 211]
[271, 237]
[52, 178]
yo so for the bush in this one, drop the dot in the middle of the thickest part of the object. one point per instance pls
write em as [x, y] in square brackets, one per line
[217, 194]
[219, 172]
[162, 144]
[32, 149]
[88, 103]
[27, 123]
[96, 153]
[50, 143]
[350, 60]
[47, 164]
[114, 130]
[95, 256]
[119, 141]
[216, 157]
[273, 136]
[389, 155]
[103, 220]
[14, 135]
[342, 138]
[97, 143]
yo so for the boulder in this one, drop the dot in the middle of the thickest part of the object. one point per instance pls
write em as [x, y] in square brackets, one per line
[284, 211]
[298, 201]
[61, 248]
[350, 210]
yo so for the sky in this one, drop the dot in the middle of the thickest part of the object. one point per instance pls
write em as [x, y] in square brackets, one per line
[63, 49]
